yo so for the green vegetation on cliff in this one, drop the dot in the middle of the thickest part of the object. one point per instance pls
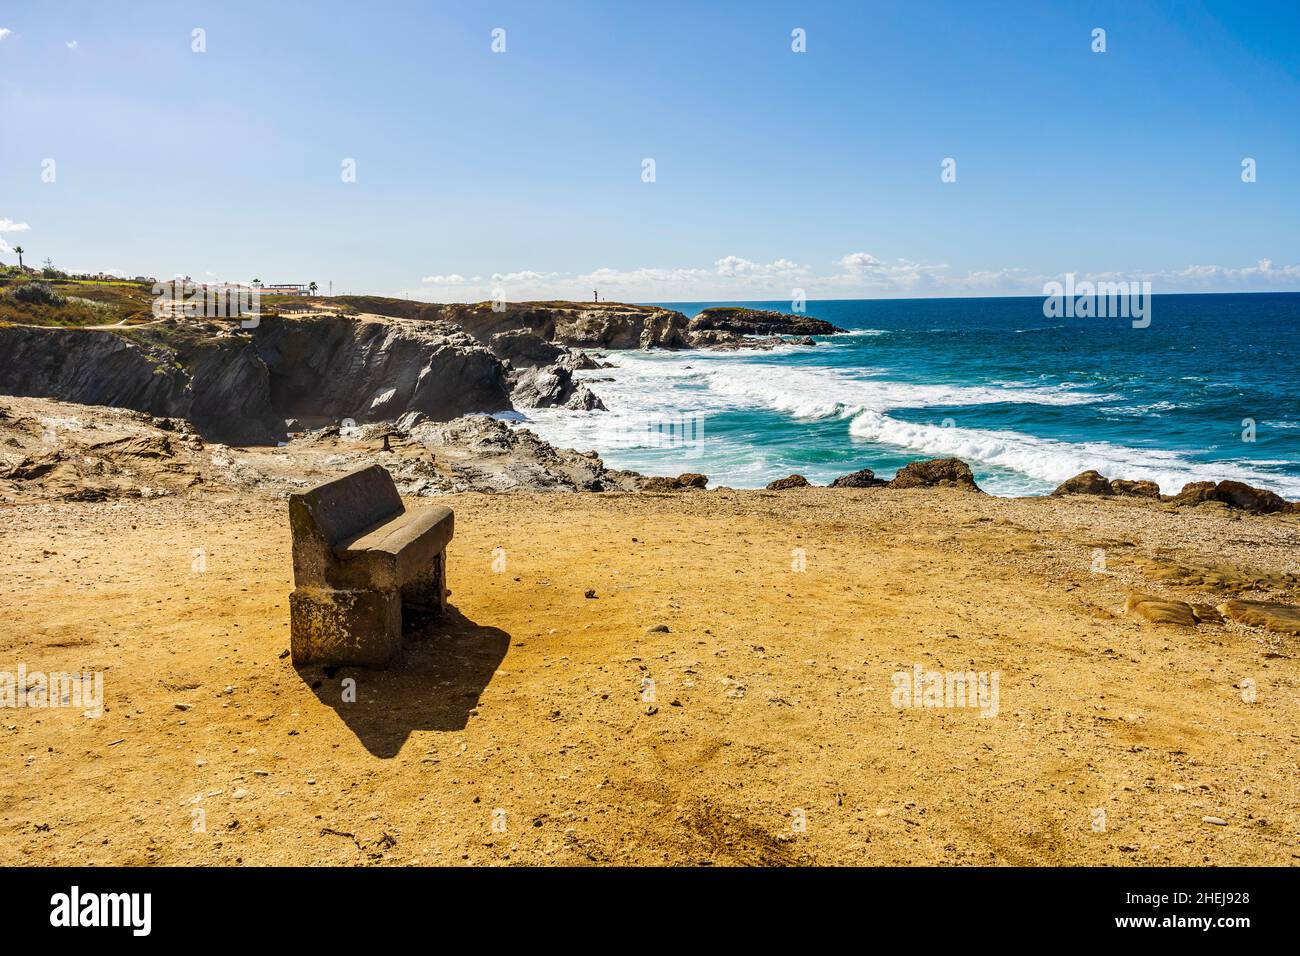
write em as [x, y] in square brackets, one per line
[72, 302]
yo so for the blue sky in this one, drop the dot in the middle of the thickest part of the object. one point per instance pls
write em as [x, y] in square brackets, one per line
[774, 170]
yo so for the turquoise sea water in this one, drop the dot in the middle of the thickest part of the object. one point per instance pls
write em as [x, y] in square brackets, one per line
[1027, 400]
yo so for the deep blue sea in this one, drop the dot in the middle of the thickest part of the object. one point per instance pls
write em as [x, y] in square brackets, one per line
[1209, 390]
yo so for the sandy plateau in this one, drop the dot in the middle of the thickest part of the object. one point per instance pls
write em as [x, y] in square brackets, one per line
[635, 677]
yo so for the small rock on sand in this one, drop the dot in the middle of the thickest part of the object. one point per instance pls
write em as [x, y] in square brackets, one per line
[1270, 615]
[1160, 611]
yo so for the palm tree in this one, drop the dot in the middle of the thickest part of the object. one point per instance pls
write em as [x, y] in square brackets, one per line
[20, 251]
[257, 283]
[312, 288]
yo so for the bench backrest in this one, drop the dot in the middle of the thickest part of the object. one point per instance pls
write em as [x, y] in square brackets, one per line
[345, 507]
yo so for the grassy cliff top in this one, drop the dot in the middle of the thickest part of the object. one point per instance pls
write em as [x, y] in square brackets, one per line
[73, 302]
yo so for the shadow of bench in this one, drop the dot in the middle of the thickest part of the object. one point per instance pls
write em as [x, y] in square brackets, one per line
[359, 559]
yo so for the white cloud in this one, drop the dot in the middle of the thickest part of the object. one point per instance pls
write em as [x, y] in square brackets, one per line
[71, 44]
[736, 266]
[856, 275]
[4, 32]
[859, 262]
[8, 225]
[526, 277]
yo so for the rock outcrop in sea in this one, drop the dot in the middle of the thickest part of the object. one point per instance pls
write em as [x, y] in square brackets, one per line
[862, 478]
[742, 321]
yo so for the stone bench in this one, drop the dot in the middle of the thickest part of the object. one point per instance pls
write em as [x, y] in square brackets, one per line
[359, 557]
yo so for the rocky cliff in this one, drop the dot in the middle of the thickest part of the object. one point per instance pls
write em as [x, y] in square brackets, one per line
[605, 325]
[239, 386]
[741, 321]
[326, 368]
[220, 384]
[581, 325]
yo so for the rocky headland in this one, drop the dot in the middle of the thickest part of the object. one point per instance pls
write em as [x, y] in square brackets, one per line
[340, 363]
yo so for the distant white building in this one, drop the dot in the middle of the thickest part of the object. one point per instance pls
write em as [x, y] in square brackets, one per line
[287, 288]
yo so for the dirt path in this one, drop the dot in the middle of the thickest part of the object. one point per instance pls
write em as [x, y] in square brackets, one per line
[522, 731]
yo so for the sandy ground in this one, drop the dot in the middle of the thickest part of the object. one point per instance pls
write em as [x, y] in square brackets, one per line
[541, 726]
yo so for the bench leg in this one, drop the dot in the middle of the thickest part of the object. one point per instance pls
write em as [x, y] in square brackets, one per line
[427, 594]
[344, 627]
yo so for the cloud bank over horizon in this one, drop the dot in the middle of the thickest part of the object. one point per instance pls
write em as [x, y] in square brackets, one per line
[854, 275]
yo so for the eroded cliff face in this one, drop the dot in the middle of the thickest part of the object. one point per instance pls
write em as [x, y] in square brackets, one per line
[220, 384]
[239, 386]
[603, 325]
[327, 368]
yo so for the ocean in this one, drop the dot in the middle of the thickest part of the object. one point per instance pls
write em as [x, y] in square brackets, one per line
[1209, 390]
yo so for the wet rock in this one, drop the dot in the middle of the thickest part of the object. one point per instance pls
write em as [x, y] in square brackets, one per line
[1087, 483]
[1135, 489]
[744, 321]
[523, 348]
[718, 340]
[936, 473]
[551, 387]
[584, 362]
[863, 478]
[1194, 493]
[790, 481]
[1234, 494]
[680, 483]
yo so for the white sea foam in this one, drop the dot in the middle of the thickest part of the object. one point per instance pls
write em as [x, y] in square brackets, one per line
[647, 388]
[1052, 461]
[816, 392]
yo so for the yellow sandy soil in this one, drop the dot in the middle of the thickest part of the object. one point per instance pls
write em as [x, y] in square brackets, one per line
[519, 730]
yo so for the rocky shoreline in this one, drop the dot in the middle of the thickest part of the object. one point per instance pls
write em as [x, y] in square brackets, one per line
[413, 383]
[252, 386]
[51, 450]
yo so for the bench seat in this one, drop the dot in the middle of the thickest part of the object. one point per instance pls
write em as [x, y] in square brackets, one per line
[359, 559]
[396, 550]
